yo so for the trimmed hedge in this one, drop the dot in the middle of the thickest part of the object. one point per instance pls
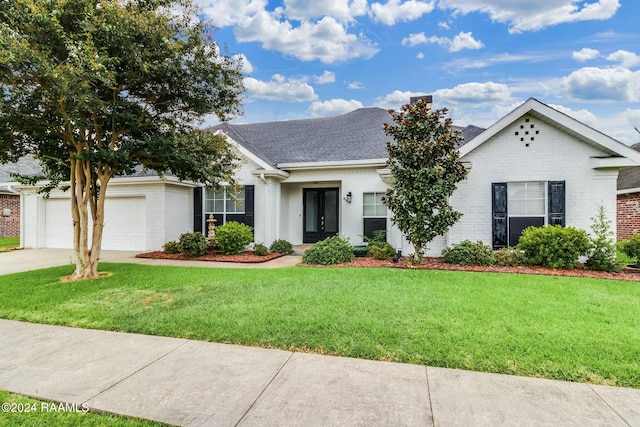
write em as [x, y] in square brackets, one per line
[193, 244]
[469, 253]
[332, 250]
[554, 246]
[232, 237]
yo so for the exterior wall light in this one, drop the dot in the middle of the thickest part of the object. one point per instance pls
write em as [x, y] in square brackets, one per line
[348, 197]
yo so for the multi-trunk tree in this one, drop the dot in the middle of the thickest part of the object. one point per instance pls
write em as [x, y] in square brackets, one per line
[425, 167]
[97, 88]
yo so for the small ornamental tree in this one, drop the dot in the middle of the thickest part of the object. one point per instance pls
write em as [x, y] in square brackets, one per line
[425, 167]
[97, 89]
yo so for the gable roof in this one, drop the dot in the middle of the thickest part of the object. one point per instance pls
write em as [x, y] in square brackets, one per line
[629, 179]
[355, 136]
[620, 155]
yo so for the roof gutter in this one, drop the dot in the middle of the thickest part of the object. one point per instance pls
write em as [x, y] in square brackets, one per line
[338, 164]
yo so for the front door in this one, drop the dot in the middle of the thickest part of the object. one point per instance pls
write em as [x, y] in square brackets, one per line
[320, 213]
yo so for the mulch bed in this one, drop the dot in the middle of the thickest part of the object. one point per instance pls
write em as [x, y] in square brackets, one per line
[245, 257]
[628, 273]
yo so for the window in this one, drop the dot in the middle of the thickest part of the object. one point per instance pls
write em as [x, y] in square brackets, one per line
[373, 207]
[526, 198]
[224, 202]
[374, 213]
[518, 205]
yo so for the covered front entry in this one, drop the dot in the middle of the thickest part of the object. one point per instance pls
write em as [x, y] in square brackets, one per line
[320, 217]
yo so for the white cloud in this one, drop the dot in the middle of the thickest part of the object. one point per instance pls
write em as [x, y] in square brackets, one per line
[280, 89]
[342, 10]
[247, 66]
[326, 39]
[474, 94]
[534, 15]
[395, 99]
[610, 84]
[465, 41]
[420, 55]
[355, 86]
[396, 11]
[444, 25]
[333, 107]
[326, 77]
[584, 116]
[585, 54]
[625, 58]
[461, 41]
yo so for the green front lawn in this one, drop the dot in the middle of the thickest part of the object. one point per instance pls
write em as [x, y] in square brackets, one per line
[564, 328]
[9, 243]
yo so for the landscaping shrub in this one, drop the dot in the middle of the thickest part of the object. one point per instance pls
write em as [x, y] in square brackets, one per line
[281, 246]
[604, 253]
[631, 247]
[193, 244]
[332, 250]
[172, 247]
[260, 249]
[469, 253]
[510, 257]
[232, 237]
[381, 251]
[554, 246]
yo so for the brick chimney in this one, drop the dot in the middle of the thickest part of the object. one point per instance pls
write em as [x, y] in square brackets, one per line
[428, 98]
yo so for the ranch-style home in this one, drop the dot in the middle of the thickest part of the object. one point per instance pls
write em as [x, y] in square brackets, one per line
[305, 180]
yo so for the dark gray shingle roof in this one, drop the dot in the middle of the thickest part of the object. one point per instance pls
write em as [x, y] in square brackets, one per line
[357, 135]
[629, 178]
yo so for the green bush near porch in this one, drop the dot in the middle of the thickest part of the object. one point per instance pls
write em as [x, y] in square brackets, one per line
[332, 250]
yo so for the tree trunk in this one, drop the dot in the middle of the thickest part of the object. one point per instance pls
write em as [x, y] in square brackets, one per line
[83, 195]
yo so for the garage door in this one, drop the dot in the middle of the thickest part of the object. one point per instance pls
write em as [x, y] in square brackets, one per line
[124, 225]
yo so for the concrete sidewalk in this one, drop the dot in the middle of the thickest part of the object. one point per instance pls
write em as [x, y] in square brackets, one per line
[32, 259]
[183, 382]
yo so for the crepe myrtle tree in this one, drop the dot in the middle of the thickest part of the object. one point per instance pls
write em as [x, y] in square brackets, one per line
[100, 88]
[425, 168]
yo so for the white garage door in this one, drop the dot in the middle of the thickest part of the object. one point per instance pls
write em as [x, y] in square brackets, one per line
[124, 225]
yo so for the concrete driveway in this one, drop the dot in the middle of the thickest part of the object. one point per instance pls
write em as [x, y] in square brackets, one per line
[33, 259]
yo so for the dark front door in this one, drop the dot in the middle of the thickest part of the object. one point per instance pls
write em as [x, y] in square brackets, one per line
[320, 213]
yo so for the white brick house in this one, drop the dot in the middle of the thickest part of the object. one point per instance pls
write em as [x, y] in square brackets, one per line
[304, 180]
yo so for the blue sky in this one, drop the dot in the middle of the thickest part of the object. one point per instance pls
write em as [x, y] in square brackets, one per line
[478, 58]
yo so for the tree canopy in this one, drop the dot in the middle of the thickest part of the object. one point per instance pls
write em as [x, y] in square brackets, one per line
[425, 167]
[98, 88]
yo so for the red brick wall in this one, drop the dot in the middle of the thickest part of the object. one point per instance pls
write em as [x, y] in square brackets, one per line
[628, 215]
[10, 225]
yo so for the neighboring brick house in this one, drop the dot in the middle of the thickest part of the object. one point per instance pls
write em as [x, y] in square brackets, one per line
[304, 180]
[628, 212]
[9, 213]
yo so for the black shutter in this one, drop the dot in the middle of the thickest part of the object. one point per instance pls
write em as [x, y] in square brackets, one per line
[556, 203]
[197, 209]
[499, 214]
[248, 205]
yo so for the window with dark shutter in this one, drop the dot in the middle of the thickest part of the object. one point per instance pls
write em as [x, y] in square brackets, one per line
[249, 191]
[499, 215]
[556, 203]
[197, 209]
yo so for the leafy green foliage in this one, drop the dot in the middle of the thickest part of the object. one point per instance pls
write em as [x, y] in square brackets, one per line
[232, 237]
[469, 253]
[172, 247]
[97, 89]
[383, 251]
[554, 246]
[631, 246]
[281, 246]
[510, 257]
[260, 249]
[332, 250]
[604, 253]
[425, 167]
[193, 244]
[360, 251]
[377, 246]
